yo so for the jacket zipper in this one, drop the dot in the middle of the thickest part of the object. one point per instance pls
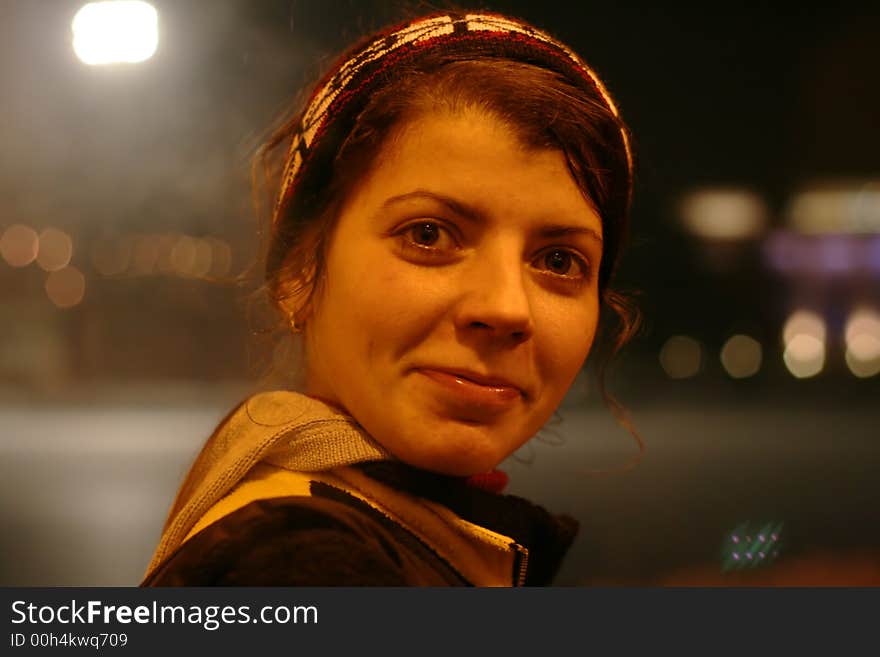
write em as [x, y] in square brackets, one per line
[520, 577]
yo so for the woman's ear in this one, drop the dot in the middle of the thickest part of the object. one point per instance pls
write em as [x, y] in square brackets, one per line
[295, 295]
[294, 300]
[298, 281]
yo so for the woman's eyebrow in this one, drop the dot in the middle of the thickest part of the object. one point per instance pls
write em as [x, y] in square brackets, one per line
[462, 209]
[475, 215]
[562, 231]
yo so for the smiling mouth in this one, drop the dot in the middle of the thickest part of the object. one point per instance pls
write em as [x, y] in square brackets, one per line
[473, 390]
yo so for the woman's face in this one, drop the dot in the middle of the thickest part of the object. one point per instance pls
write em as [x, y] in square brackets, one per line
[460, 297]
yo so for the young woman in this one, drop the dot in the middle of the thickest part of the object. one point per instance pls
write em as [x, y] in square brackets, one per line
[451, 208]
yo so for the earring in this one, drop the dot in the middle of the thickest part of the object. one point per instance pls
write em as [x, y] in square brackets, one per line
[296, 328]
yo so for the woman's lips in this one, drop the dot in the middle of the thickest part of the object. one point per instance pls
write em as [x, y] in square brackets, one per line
[464, 390]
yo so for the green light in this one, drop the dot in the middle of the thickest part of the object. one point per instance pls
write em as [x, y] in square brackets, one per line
[751, 545]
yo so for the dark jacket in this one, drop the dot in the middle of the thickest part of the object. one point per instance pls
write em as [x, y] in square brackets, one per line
[364, 520]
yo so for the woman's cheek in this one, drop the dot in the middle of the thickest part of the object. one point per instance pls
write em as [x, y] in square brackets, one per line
[404, 289]
[566, 339]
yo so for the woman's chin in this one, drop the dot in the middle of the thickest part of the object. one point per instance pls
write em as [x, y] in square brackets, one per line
[455, 448]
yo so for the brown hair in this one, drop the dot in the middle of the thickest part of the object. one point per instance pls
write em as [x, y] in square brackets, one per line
[541, 107]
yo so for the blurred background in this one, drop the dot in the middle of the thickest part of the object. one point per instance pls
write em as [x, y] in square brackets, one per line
[124, 192]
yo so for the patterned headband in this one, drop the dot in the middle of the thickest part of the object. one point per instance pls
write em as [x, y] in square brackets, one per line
[347, 88]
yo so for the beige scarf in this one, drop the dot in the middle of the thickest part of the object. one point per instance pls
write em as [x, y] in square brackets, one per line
[284, 428]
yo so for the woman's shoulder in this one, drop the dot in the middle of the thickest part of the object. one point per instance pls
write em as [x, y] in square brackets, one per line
[285, 541]
[322, 535]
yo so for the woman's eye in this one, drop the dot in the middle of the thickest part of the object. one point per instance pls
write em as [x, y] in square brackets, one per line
[561, 263]
[428, 237]
[425, 234]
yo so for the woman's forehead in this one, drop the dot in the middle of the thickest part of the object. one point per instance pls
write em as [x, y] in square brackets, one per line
[477, 161]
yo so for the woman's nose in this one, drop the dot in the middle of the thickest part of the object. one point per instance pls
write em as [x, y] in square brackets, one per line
[495, 300]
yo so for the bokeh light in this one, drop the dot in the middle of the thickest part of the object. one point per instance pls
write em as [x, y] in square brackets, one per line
[836, 207]
[19, 245]
[115, 31]
[221, 257]
[144, 255]
[202, 260]
[55, 249]
[724, 214]
[681, 357]
[824, 255]
[872, 254]
[804, 322]
[169, 254]
[183, 255]
[862, 336]
[741, 356]
[66, 287]
[110, 257]
[803, 337]
[804, 355]
[166, 246]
